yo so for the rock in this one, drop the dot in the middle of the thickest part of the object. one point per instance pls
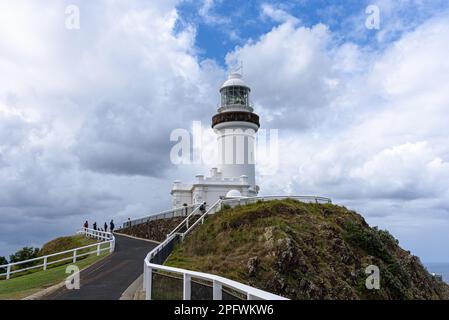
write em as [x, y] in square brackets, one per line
[252, 265]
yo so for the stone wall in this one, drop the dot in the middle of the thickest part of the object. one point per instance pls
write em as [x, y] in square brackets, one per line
[156, 230]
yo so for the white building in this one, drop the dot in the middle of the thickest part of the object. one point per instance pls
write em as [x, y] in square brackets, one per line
[235, 125]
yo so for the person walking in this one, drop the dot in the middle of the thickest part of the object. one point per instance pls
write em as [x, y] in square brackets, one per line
[105, 227]
[111, 226]
[95, 225]
[86, 225]
[203, 208]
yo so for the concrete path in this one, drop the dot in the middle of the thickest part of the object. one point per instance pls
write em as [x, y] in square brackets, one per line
[110, 277]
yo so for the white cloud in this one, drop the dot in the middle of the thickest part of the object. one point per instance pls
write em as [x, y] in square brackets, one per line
[277, 14]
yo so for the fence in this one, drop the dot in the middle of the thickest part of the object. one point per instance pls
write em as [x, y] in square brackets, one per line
[244, 200]
[172, 213]
[71, 255]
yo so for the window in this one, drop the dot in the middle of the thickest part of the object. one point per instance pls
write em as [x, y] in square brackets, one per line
[234, 96]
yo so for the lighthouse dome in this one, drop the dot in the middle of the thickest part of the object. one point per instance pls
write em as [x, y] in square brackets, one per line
[233, 194]
[234, 80]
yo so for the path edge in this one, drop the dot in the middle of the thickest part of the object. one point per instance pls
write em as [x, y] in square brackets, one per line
[136, 238]
[45, 292]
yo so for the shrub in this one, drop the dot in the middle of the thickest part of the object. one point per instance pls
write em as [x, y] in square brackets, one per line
[25, 253]
[2, 262]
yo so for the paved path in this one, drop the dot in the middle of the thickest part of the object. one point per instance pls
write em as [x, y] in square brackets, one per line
[110, 277]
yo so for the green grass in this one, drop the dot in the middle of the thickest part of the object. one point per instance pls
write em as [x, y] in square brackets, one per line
[60, 245]
[21, 287]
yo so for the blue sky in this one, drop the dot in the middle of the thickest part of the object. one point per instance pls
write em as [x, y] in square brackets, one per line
[222, 25]
[86, 115]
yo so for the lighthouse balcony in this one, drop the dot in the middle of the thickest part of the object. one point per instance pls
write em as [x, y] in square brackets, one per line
[240, 116]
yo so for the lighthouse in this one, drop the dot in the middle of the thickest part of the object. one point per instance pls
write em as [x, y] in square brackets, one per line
[235, 125]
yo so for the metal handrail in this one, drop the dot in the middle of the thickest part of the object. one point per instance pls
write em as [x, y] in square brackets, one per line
[218, 282]
[109, 239]
[313, 199]
[201, 218]
[161, 215]
[184, 222]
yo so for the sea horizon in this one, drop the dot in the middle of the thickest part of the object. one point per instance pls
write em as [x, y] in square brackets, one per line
[441, 268]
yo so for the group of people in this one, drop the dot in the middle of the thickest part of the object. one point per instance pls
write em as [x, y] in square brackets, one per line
[202, 208]
[105, 229]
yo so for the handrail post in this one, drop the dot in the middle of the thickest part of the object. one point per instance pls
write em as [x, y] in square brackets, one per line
[217, 290]
[148, 278]
[111, 246]
[98, 249]
[8, 271]
[74, 256]
[187, 287]
[45, 263]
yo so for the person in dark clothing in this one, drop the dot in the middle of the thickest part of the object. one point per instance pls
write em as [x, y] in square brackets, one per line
[86, 224]
[105, 227]
[203, 208]
[95, 226]
[112, 226]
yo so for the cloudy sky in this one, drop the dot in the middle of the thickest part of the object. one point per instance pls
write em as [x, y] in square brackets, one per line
[86, 114]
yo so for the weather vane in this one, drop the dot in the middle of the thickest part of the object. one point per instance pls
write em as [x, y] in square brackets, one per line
[238, 68]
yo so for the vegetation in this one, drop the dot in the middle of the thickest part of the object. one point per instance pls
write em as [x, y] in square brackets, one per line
[57, 245]
[21, 287]
[3, 261]
[23, 254]
[305, 251]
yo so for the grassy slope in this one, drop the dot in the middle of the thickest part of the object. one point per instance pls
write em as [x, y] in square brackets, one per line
[65, 243]
[22, 285]
[305, 251]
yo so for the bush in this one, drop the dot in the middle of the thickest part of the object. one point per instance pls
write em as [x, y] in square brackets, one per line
[2, 262]
[370, 240]
[25, 254]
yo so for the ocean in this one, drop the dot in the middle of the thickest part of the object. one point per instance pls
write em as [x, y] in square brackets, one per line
[439, 268]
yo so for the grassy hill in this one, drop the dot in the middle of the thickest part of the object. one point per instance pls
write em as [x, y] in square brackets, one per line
[65, 243]
[305, 251]
[32, 281]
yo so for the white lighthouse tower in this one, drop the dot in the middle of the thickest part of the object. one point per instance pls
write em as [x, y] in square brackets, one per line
[236, 126]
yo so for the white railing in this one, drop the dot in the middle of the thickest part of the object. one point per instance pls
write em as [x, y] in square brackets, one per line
[218, 284]
[185, 222]
[108, 238]
[164, 249]
[172, 213]
[248, 200]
